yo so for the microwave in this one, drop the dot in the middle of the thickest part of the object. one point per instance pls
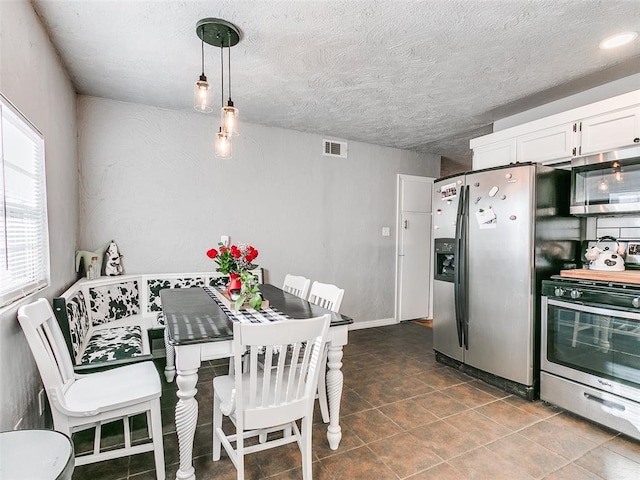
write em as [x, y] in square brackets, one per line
[606, 183]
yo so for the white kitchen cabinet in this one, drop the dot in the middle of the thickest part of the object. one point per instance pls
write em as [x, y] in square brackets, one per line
[494, 154]
[610, 131]
[547, 145]
[594, 128]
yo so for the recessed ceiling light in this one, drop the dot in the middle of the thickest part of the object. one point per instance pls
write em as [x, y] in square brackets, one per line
[618, 39]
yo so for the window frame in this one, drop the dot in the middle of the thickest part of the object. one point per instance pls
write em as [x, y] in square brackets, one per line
[29, 252]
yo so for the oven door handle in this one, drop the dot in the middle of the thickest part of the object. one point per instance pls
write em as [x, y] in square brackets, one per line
[595, 310]
[606, 403]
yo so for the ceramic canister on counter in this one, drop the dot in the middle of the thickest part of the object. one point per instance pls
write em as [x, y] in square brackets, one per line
[606, 258]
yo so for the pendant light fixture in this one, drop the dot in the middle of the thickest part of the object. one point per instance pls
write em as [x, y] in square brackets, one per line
[201, 96]
[220, 33]
[223, 144]
[229, 112]
[223, 138]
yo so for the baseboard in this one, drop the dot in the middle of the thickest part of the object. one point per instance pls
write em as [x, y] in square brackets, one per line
[381, 322]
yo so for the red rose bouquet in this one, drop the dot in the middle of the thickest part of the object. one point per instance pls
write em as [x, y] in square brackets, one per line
[237, 261]
[233, 259]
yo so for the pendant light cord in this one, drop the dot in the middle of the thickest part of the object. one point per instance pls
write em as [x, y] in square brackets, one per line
[222, 71]
[203, 50]
[229, 49]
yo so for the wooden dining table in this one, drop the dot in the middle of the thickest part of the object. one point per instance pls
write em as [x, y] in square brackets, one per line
[200, 328]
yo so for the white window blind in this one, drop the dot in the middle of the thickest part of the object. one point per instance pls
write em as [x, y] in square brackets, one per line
[24, 250]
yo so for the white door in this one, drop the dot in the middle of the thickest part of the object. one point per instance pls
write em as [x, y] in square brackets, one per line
[415, 248]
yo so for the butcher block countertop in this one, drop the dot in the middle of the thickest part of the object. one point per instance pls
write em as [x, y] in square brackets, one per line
[626, 276]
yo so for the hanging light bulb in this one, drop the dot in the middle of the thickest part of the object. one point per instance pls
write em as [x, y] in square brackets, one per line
[223, 139]
[603, 186]
[223, 144]
[201, 97]
[230, 118]
[619, 177]
[229, 112]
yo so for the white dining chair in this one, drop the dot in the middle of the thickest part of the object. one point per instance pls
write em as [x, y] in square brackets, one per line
[79, 402]
[297, 285]
[327, 296]
[261, 401]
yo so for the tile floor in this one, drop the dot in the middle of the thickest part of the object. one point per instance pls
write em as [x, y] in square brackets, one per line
[406, 416]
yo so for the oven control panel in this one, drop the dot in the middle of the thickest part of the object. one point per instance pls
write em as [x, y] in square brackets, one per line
[618, 296]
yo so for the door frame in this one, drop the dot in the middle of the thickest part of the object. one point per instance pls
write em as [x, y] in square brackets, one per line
[396, 304]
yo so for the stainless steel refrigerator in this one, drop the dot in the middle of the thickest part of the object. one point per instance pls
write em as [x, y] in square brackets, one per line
[498, 233]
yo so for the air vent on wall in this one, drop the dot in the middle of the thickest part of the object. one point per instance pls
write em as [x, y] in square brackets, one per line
[335, 149]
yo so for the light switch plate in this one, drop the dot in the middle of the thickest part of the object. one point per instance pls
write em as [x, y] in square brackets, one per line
[225, 240]
[386, 231]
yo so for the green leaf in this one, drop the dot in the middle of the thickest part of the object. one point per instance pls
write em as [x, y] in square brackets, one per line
[256, 301]
[239, 302]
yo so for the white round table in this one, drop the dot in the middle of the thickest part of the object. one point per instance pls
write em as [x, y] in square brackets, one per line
[35, 455]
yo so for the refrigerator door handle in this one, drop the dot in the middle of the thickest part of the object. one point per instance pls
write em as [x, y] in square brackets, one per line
[456, 271]
[462, 267]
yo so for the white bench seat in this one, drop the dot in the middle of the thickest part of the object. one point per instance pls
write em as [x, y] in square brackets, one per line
[111, 321]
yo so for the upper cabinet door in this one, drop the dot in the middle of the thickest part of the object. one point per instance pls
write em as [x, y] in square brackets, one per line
[494, 154]
[555, 143]
[610, 131]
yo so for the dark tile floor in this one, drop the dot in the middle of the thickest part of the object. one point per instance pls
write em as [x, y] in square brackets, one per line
[406, 416]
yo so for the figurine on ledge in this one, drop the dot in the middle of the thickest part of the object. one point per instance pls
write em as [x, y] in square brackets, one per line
[92, 261]
[113, 263]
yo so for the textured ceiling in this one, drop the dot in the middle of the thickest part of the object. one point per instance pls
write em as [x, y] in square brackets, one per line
[423, 75]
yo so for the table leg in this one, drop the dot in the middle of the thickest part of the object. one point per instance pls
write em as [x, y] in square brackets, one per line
[334, 393]
[170, 366]
[186, 410]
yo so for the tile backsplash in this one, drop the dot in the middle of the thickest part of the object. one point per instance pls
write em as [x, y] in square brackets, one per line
[618, 227]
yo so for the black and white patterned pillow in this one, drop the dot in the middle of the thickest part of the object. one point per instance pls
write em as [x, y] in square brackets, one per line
[113, 344]
[113, 302]
[154, 286]
[79, 321]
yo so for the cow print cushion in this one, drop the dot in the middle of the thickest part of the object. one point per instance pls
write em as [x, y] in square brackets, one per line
[79, 321]
[219, 282]
[154, 287]
[113, 344]
[113, 302]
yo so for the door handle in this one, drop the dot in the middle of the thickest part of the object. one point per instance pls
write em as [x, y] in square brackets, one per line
[406, 224]
[606, 403]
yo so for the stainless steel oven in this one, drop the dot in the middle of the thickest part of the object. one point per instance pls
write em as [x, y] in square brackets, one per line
[590, 351]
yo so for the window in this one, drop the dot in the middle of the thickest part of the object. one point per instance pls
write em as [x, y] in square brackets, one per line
[24, 233]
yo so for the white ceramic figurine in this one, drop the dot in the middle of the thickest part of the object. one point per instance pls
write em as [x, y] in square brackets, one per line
[113, 264]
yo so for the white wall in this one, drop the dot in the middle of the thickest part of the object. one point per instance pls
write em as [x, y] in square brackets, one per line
[32, 77]
[150, 181]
